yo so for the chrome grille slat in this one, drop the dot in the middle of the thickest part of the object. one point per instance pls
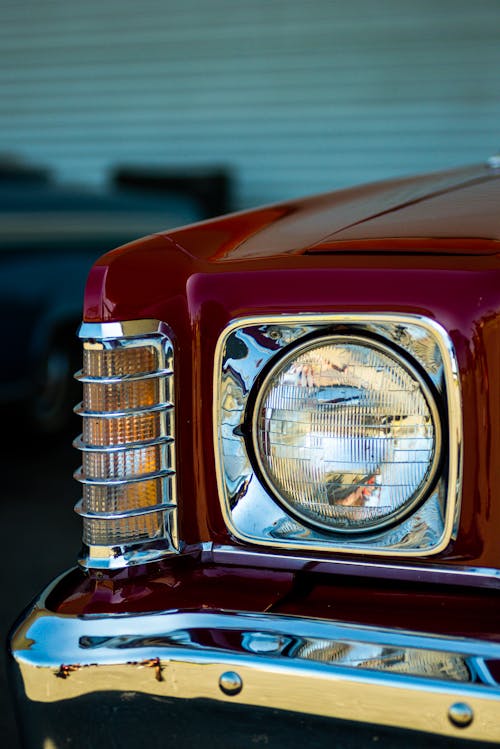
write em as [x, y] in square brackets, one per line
[129, 502]
[124, 378]
[86, 447]
[119, 482]
[163, 507]
[164, 406]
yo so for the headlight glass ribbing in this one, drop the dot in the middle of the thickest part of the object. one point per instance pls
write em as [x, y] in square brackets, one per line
[346, 433]
[127, 445]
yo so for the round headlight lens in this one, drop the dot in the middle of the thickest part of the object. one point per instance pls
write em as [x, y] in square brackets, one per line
[346, 433]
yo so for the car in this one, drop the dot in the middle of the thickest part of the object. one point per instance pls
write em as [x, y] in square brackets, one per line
[290, 461]
[50, 234]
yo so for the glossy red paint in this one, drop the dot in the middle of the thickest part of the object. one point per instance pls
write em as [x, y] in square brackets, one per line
[182, 583]
[427, 246]
[451, 212]
[472, 224]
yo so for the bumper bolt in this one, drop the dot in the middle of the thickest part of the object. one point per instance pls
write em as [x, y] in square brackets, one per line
[230, 683]
[460, 714]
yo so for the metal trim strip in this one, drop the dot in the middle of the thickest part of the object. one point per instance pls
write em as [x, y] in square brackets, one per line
[476, 577]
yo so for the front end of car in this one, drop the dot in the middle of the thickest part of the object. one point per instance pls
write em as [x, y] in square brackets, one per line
[289, 462]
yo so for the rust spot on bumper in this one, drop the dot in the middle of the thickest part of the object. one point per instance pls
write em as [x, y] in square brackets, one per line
[158, 668]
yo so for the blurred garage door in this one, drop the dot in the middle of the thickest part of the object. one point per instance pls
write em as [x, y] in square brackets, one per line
[294, 96]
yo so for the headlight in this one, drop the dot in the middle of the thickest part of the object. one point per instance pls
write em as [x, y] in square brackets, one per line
[346, 433]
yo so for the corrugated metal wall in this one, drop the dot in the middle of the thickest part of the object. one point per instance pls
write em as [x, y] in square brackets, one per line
[294, 96]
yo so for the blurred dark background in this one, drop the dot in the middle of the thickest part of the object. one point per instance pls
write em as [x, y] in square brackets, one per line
[123, 118]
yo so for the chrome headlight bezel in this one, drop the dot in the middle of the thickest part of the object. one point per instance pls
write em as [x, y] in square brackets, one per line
[245, 352]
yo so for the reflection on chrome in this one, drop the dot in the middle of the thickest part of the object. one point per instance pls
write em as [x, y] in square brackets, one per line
[425, 663]
[431, 664]
[358, 473]
[419, 344]
[362, 655]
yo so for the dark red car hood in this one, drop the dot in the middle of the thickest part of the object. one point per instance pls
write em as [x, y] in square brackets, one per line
[453, 212]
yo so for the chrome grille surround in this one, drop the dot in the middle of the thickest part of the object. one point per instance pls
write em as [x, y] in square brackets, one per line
[112, 471]
[251, 513]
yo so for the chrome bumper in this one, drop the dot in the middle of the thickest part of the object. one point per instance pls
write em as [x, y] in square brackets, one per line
[285, 665]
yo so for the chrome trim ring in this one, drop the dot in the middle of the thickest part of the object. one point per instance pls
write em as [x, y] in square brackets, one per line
[250, 512]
